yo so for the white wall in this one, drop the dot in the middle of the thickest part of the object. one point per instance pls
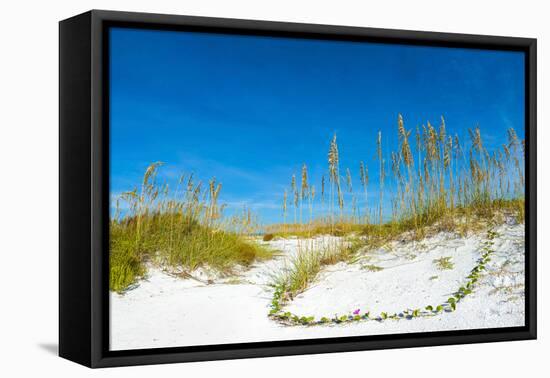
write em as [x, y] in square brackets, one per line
[29, 174]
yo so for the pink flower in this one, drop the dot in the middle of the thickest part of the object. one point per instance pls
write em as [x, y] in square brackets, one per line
[356, 312]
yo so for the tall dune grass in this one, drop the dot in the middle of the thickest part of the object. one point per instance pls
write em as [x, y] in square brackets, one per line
[180, 228]
[439, 177]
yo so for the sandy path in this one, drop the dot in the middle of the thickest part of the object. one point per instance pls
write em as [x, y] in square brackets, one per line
[165, 311]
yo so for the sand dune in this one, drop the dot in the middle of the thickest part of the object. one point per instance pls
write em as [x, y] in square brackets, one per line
[167, 311]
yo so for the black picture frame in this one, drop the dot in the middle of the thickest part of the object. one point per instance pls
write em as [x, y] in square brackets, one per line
[84, 189]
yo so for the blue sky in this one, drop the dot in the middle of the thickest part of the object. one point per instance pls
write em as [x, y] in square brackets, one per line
[251, 110]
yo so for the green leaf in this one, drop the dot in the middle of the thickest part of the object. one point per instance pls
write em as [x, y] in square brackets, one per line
[453, 306]
[384, 315]
[439, 308]
[451, 300]
[429, 308]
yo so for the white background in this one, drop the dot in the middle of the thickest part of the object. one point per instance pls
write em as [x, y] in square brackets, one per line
[29, 185]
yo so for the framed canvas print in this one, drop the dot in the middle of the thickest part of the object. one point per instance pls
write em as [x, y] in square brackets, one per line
[233, 188]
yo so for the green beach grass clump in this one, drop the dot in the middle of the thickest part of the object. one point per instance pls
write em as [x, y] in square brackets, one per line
[444, 263]
[372, 268]
[184, 228]
[313, 255]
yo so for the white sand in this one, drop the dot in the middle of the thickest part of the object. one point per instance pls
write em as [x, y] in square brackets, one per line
[164, 311]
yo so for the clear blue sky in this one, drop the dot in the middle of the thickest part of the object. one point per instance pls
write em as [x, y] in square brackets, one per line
[251, 110]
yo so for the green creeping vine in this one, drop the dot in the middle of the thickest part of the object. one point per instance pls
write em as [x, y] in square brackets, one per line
[450, 305]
